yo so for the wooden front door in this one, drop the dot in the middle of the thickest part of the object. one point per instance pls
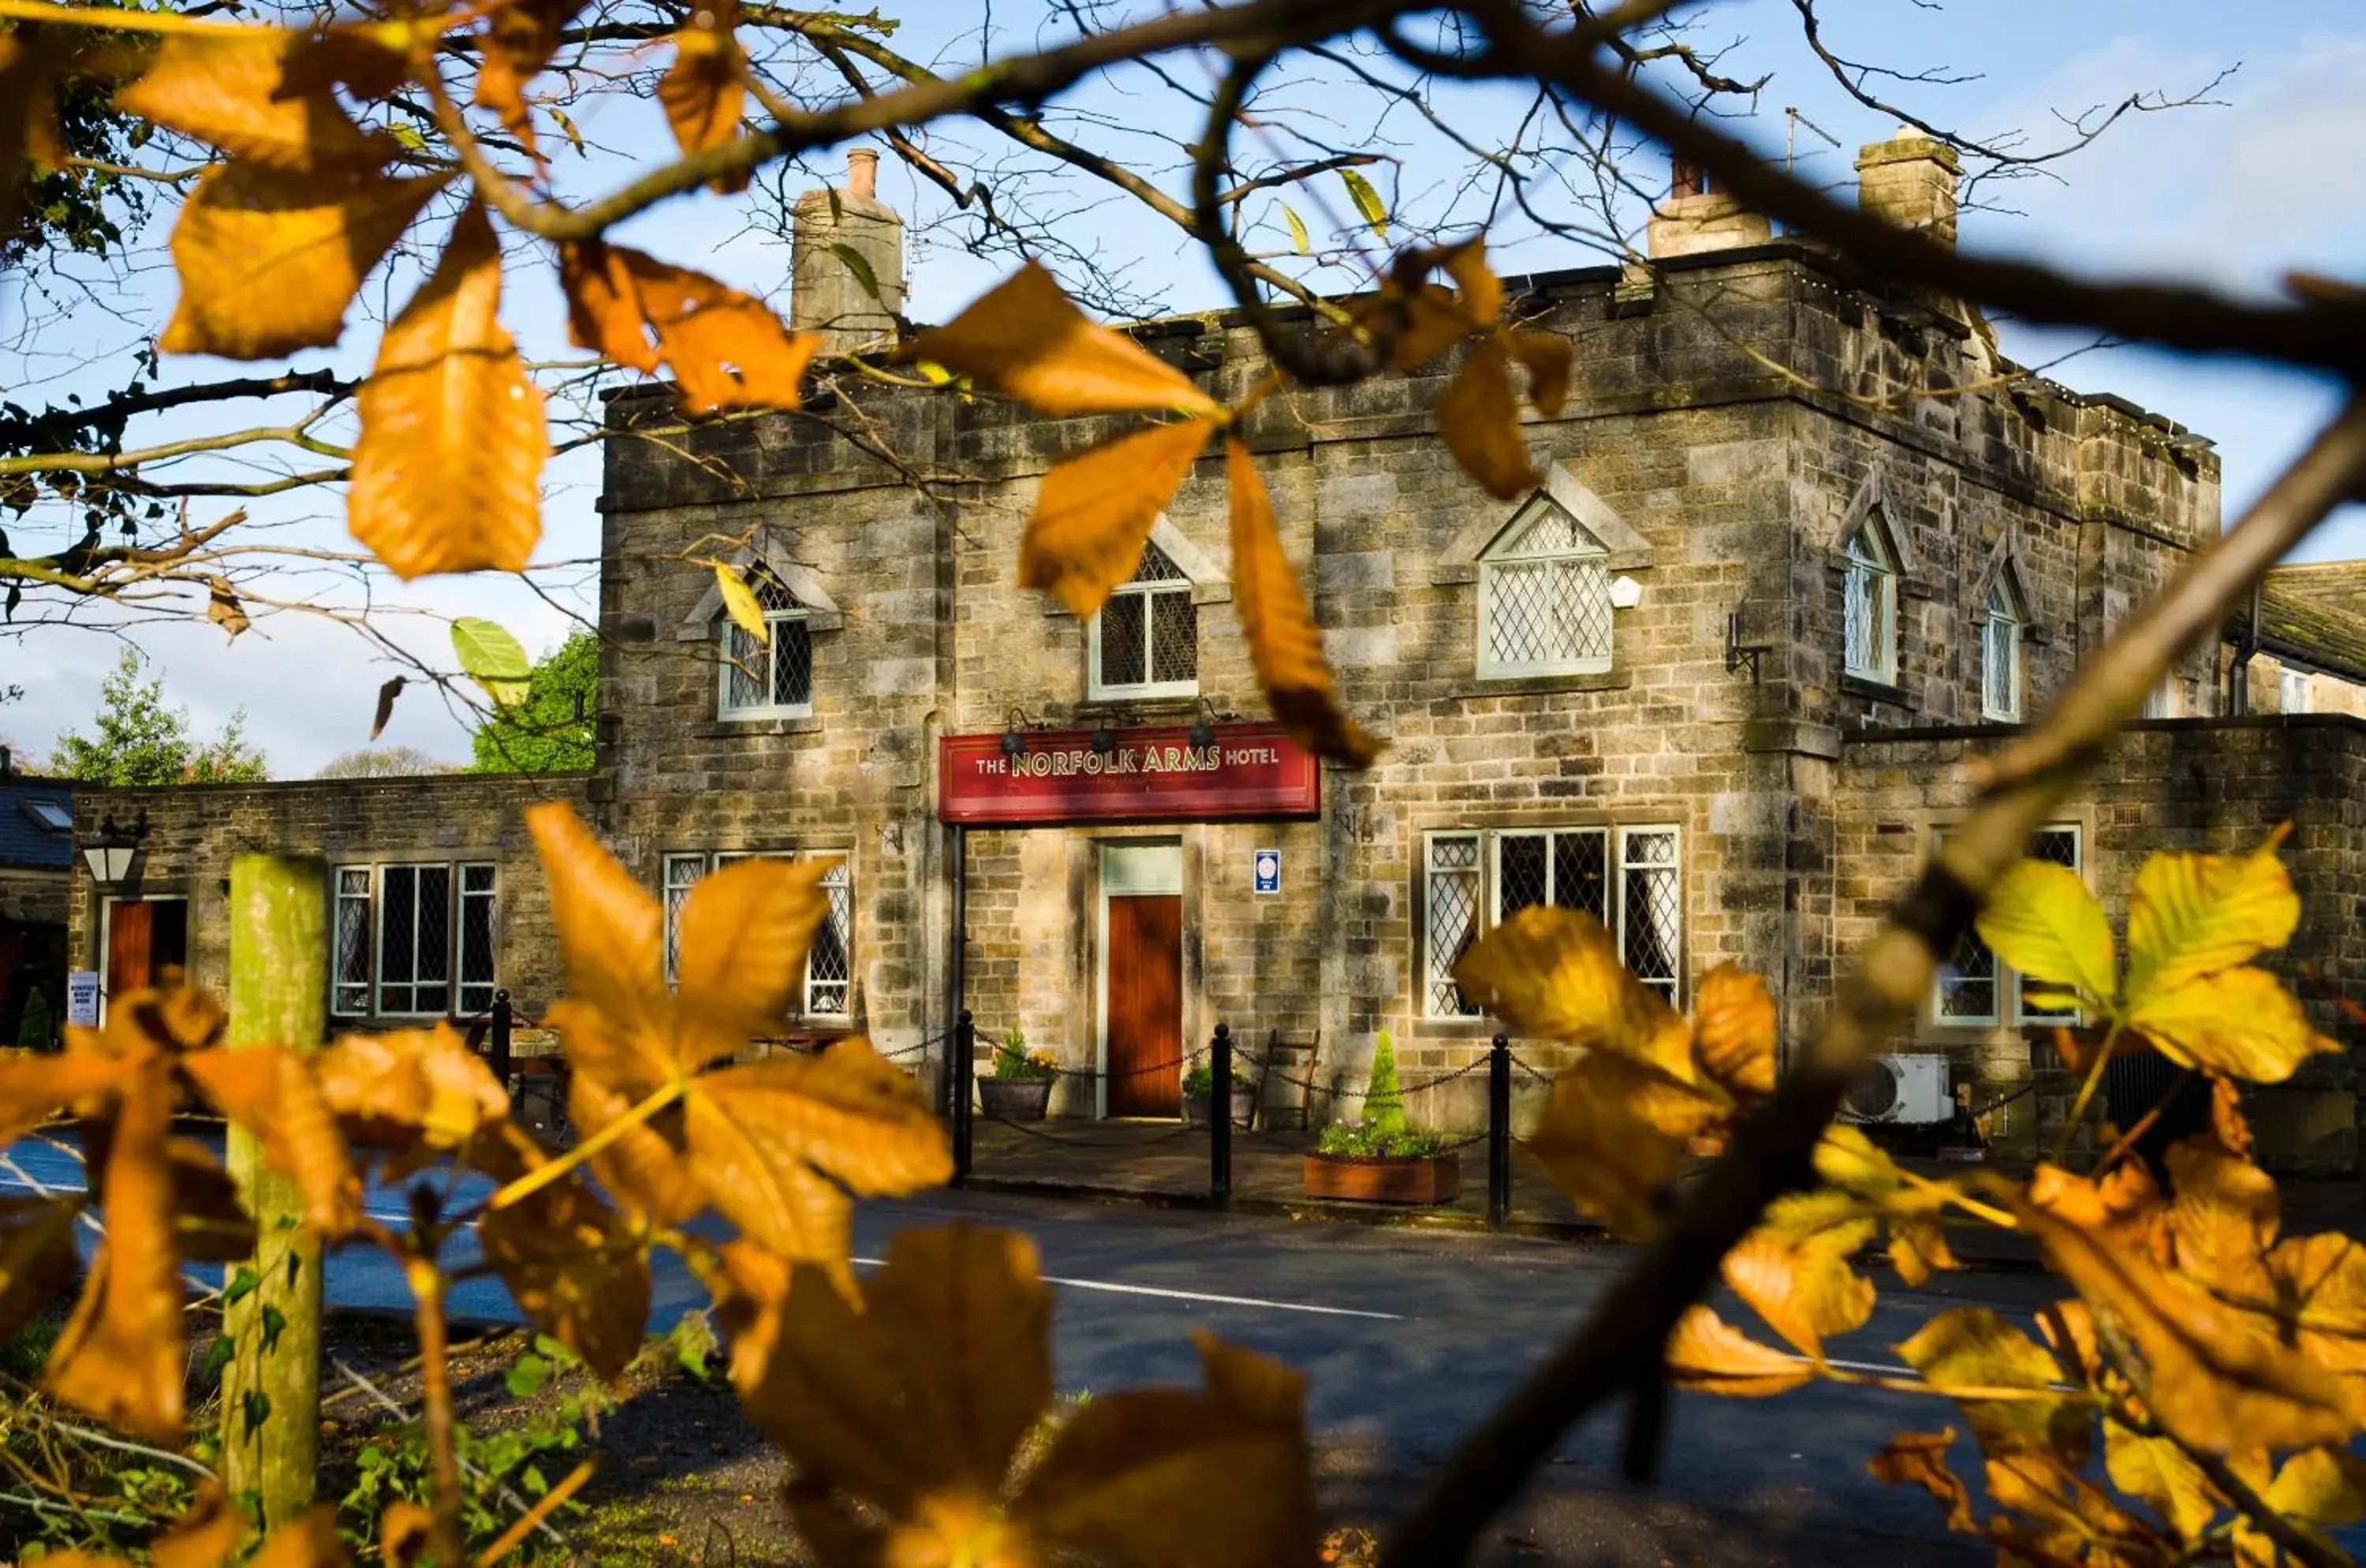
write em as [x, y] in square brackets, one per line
[1146, 1004]
[145, 937]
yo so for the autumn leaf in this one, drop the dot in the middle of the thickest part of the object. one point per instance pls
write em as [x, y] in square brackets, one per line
[2310, 1292]
[1557, 973]
[740, 603]
[727, 350]
[1548, 358]
[1710, 1356]
[743, 934]
[1025, 340]
[2223, 1213]
[222, 607]
[1965, 1352]
[36, 1086]
[409, 1089]
[2237, 1022]
[603, 305]
[702, 92]
[1919, 1459]
[205, 1535]
[1480, 424]
[1734, 1031]
[269, 258]
[1797, 1278]
[210, 1225]
[2155, 1469]
[2325, 1486]
[232, 88]
[1851, 1163]
[270, 1092]
[1095, 510]
[308, 1542]
[2041, 919]
[2193, 915]
[1476, 286]
[519, 40]
[37, 1257]
[1368, 200]
[1612, 1135]
[29, 60]
[577, 1270]
[447, 471]
[1285, 645]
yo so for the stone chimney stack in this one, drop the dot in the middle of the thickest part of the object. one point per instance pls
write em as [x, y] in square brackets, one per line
[1695, 218]
[826, 294]
[1910, 180]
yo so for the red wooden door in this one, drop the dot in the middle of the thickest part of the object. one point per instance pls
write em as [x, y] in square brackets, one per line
[1145, 1005]
[131, 932]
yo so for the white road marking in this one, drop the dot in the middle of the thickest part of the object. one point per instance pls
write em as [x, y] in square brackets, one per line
[64, 1187]
[1115, 1288]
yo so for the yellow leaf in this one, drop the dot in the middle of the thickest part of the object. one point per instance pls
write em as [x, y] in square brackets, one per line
[610, 927]
[1127, 1478]
[410, 1090]
[269, 258]
[1734, 1031]
[578, 1271]
[37, 1257]
[1480, 424]
[1918, 1248]
[29, 63]
[603, 304]
[2223, 1213]
[740, 603]
[2311, 1294]
[34, 1087]
[308, 1542]
[1803, 1288]
[1548, 358]
[644, 1165]
[1613, 1136]
[1919, 1459]
[726, 349]
[2202, 1369]
[1710, 1356]
[1025, 340]
[2193, 915]
[2241, 1023]
[702, 92]
[448, 474]
[742, 937]
[1556, 973]
[1965, 1351]
[1478, 289]
[2041, 919]
[1285, 645]
[1094, 510]
[2160, 1472]
[2321, 1485]
[271, 1093]
[231, 89]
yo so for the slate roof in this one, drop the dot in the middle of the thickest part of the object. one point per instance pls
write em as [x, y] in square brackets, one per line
[2314, 614]
[24, 839]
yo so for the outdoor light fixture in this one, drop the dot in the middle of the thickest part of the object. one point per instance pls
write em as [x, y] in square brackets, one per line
[1013, 740]
[1203, 728]
[1625, 593]
[110, 852]
[1104, 741]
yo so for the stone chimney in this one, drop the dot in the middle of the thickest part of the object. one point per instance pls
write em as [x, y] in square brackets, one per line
[1695, 218]
[828, 296]
[1910, 180]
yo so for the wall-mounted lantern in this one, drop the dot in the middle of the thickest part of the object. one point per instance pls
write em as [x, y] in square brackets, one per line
[112, 851]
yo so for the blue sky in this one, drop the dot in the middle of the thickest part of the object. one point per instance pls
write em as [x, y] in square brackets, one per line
[2232, 196]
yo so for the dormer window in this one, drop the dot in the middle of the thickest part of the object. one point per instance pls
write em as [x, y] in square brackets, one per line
[2001, 622]
[772, 679]
[1145, 640]
[1544, 598]
[1869, 605]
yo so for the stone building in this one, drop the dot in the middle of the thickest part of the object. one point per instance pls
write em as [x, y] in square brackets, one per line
[1796, 547]
[36, 879]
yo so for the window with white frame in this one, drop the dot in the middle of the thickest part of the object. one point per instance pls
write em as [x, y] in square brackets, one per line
[2000, 635]
[829, 968]
[1145, 642]
[1475, 878]
[414, 940]
[2292, 691]
[1869, 605]
[1974, 989]
[772, 679]
[1544, 599]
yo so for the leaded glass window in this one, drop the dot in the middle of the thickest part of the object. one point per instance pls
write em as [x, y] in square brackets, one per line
[1145, 640]
[2001, 633]
[774, 678]
[1543, 600]
[1474, 879]
[1869, 607]
[828, 984]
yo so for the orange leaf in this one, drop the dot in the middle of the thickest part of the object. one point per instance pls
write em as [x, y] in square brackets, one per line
[122, 1354]
[1480, 424]
[1548, 358]
[1026, 341]
[644, 1166]
[1094, 510]
[1613, 1136]
[231, 89]
[209, 1223]
[1803, 1287]
[1707, 1354]
[37, 1257]
[309, 1542]
[1919, 1459]
[1419, 323]
[28, 115]
[1969, 1351]
[1556, 973]
[702, 92]
[1285, 645]
[269, 258]
[1477, 288]
[33, 1087]
[271, 1093]
[447, 472]
[743, 935]
[727, 348]
[1734, 1031]
[409, 1089]
[575, 1269]
[603, 305]
[519, 40]
[610, 927]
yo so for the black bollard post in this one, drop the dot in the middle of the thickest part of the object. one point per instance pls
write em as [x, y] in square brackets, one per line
[1499, 1132]
[964, 1070]
[1220, 1118]
[500, 1053]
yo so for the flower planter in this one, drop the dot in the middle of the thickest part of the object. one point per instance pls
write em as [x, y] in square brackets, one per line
[1375, 1179]
[1014, 1100]
[1195, 1106]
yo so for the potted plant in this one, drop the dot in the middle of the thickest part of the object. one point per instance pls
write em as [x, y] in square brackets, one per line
[1383, 1160]
[1020, 1089]
[1199, 1087]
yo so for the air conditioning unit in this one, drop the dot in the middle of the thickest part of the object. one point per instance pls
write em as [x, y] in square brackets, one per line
[1905, 1090]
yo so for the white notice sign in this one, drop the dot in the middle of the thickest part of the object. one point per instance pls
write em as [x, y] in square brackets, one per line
[1268, 869]
[81, 998]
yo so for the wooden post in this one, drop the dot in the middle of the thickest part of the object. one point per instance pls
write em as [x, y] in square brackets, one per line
[271, 1386]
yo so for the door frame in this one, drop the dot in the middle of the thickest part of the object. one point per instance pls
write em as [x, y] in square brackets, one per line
[107, 902]
[1157, 873]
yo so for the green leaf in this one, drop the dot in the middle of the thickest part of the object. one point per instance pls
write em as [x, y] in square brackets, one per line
[739, 601]
[1298, 237]
[859, 264]
[275, 1322]
[556, 1352]
[491, 658]
[256, 1408]
[241, 1285]
[1367, 201]
[526, 1375]
[2042, 922]
[218, 1356]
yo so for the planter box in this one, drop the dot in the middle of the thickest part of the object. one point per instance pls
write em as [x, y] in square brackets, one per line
[1432, 1179]
[1014, 1100]
[1195, 1107]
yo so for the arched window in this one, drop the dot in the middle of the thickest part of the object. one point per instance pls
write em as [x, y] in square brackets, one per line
[1145, 640]
[2001, 633]
[1544, 599]
[772, 679]
[1869, 607]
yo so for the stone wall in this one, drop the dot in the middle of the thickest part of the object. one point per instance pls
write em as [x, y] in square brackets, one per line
[2216, 784]
[33, 896]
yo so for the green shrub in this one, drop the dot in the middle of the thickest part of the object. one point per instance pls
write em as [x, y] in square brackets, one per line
[36, 1028]
[1201, 1079]
[1368, 1142]
[1384, 1111]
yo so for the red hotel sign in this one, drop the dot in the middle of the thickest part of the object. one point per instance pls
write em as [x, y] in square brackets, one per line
[1146, 775]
